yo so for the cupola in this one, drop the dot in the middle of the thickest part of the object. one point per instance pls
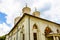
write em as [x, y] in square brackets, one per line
[36, 13]
[26, 10]
[16, 19]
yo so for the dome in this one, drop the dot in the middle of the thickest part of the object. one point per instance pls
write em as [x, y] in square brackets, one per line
[26, 10]
[16, 19]
[36, 13]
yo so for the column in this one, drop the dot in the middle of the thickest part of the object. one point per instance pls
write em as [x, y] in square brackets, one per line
[57, 38]
[20, 36]
[54, 38]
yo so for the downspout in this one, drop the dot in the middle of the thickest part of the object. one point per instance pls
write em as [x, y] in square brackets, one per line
[29, 26]
[17, 33]
[11, 35]
[8, 37]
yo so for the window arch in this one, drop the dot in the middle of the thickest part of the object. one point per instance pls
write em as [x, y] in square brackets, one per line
[57, 31]
[35, 26]
[22, 26]
[22, 29]
[47, 30]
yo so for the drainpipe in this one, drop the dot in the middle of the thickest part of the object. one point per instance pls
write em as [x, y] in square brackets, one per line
[8, 37]
[11, 35]
[17, 33]
[29, 26]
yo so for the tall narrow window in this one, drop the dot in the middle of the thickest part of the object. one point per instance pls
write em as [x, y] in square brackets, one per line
[23, 36]
[58, 32]
[35, 28]
[35, 36]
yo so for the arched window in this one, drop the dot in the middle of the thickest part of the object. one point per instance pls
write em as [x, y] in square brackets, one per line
[35, 26]
[35, 31]
[57, 31]
[22, 27]
[47, 30]
[23, 35]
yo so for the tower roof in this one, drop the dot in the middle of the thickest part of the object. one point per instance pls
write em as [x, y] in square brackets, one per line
[36, 13]
[26, 9]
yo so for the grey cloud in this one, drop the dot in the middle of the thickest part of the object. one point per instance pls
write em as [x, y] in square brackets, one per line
[0, 1]
[46, 7]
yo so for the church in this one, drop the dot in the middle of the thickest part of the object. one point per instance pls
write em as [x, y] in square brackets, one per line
[32, 27]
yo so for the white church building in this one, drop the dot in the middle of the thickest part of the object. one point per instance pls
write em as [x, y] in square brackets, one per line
[32, 27]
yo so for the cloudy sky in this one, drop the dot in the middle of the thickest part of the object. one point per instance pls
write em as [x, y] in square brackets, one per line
[9, 9]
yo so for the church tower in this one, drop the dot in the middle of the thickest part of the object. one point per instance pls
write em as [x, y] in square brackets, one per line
[36, 13]
[26, 10]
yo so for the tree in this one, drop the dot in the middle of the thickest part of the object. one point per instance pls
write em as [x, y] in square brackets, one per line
[2, 37]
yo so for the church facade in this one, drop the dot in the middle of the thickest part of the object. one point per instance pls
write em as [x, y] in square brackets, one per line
[32, 27]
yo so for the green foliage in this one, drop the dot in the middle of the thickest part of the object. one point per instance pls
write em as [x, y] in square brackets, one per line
[2, 38]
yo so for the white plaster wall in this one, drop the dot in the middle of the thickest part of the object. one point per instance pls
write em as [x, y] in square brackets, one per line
[37, 22]
[26, 28]
[41, 24]
[19, 35]
[24, 22]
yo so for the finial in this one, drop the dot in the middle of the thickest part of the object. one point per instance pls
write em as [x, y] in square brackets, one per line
[35, 9]
[26, 4]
